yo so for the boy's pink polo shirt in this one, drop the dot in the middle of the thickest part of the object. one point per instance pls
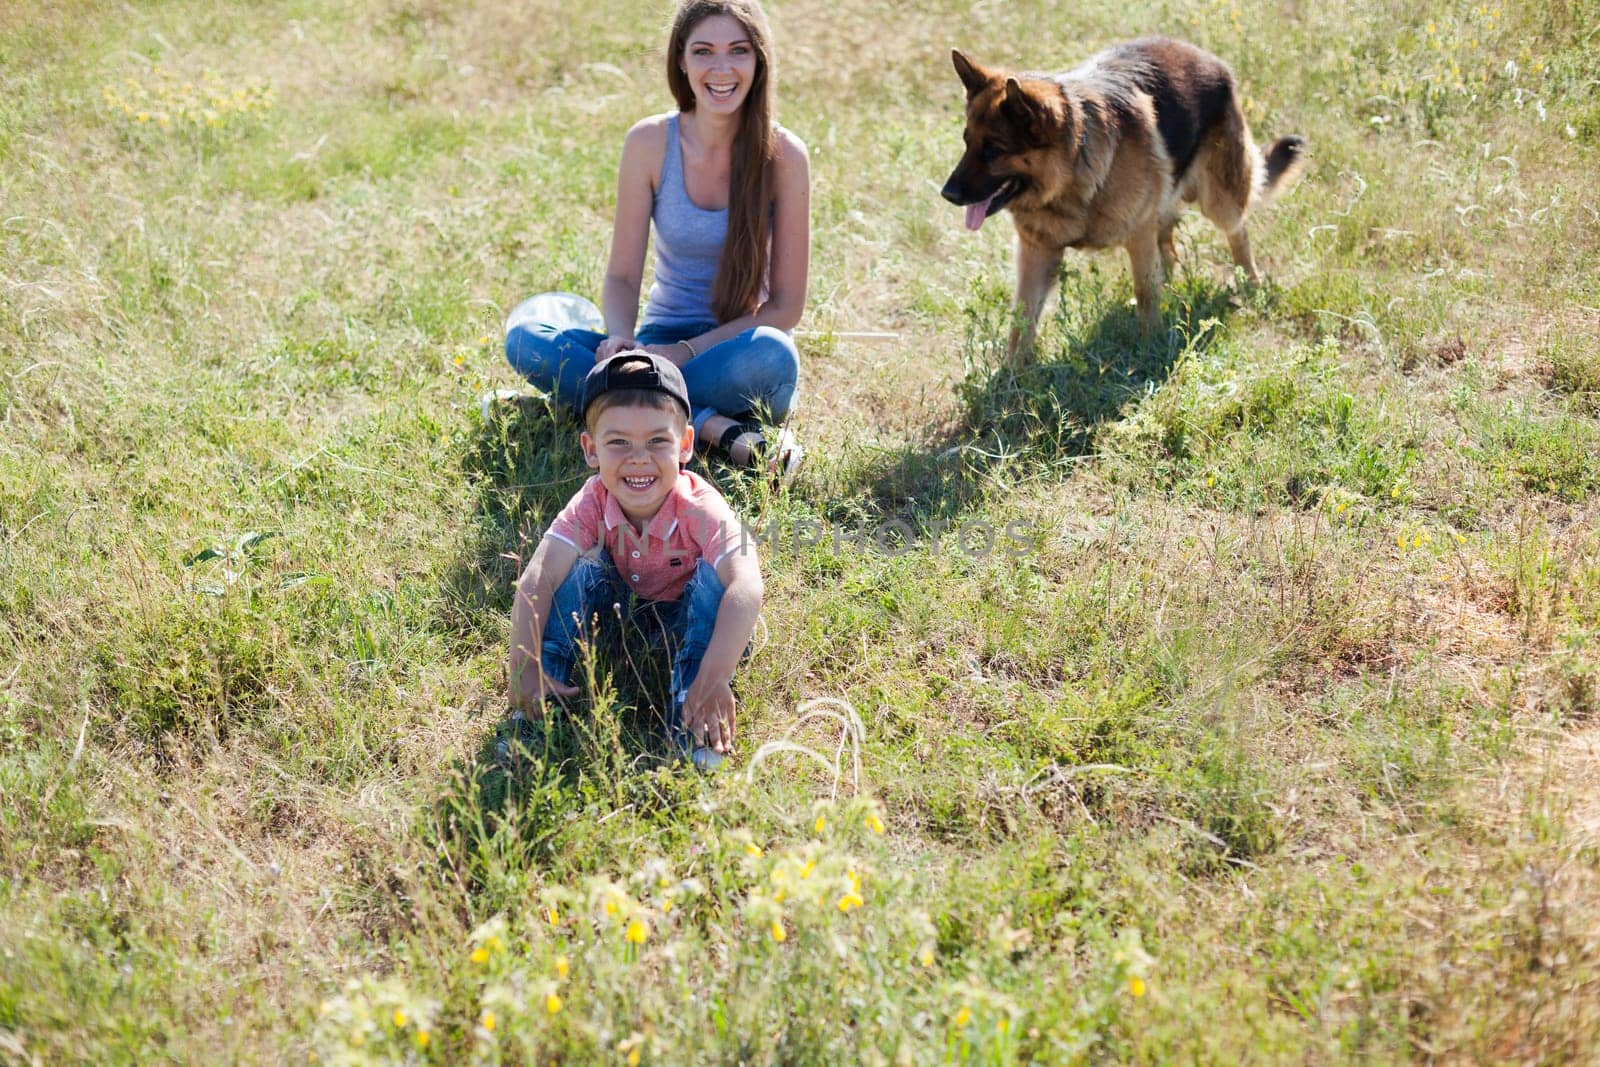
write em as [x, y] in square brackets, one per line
[694, 523]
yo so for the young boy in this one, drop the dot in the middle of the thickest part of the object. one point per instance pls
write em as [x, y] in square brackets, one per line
[646, 539]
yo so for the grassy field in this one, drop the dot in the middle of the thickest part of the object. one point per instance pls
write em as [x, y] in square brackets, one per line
[1228, 697]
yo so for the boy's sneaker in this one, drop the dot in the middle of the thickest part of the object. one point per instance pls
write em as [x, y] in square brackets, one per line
[706, 759]
[703, 757]
[518, 738]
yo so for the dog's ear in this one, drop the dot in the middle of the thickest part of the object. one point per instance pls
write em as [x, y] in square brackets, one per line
[972, 76]
[1018, 106]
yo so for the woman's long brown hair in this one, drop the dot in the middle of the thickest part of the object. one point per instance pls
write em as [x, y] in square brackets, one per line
[742, 268]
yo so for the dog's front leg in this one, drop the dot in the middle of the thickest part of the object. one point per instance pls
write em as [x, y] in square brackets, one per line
[1036, 273]
[1239, 246]
[1145, 257]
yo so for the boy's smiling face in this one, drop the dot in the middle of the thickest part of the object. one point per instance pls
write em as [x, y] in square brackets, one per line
[637, 451]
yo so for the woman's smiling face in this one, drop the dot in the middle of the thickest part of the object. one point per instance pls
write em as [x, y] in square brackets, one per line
[720, 62]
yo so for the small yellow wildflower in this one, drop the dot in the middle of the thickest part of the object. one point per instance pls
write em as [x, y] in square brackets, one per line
[423, 1039]
[480, 955]
[1002, 1024]
[611, 906]
[963, 1017]
[1400, 540]
[1136, 986]
[561, 966]
[357, 1039]
[484, 339]
[821, 822]
[494, 944]
[552, 1003]
[805, 872]
[633, 1056]
[1211, 479]
[753, 849]
[552, 916]
[487, 1020]
[779, 934]
[850, 900]
[927, 957]
[459, 360]
[874, 823]
[638, 931]
[399, 1018]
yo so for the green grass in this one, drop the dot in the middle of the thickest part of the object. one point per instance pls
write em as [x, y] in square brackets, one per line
[1224, 696]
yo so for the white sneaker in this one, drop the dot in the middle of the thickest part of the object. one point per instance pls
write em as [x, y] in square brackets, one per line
[703, 757]
[706, 759]
[500, 401]
[787, 455]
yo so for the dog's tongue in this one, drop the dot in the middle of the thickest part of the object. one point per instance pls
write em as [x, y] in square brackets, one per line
[976, 213]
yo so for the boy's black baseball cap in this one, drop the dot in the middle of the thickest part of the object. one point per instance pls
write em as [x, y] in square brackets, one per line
[609, 375]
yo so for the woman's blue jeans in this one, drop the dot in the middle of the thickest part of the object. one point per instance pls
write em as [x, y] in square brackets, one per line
[593, 603]
[752, 373]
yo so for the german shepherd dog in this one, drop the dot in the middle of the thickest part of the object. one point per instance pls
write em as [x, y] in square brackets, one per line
[1110, 153]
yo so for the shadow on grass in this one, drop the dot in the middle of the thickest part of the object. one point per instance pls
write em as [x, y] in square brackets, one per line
[1038, 420]
[524, 464]
[506, 813]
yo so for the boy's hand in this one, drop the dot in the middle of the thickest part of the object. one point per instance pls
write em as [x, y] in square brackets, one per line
[532, 687]
[708, 714]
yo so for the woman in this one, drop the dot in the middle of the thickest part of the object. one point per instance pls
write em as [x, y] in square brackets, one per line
[728, 194]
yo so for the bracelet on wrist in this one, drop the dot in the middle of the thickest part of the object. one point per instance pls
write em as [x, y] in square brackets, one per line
[690, 347]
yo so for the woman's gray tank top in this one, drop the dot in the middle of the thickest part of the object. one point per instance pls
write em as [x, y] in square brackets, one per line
[688, 245]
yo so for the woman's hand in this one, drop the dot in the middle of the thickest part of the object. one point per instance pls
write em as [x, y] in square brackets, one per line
[612, 345]
[676, 354]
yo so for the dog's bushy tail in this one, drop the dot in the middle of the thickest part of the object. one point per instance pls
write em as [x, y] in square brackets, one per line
[1286, 162]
